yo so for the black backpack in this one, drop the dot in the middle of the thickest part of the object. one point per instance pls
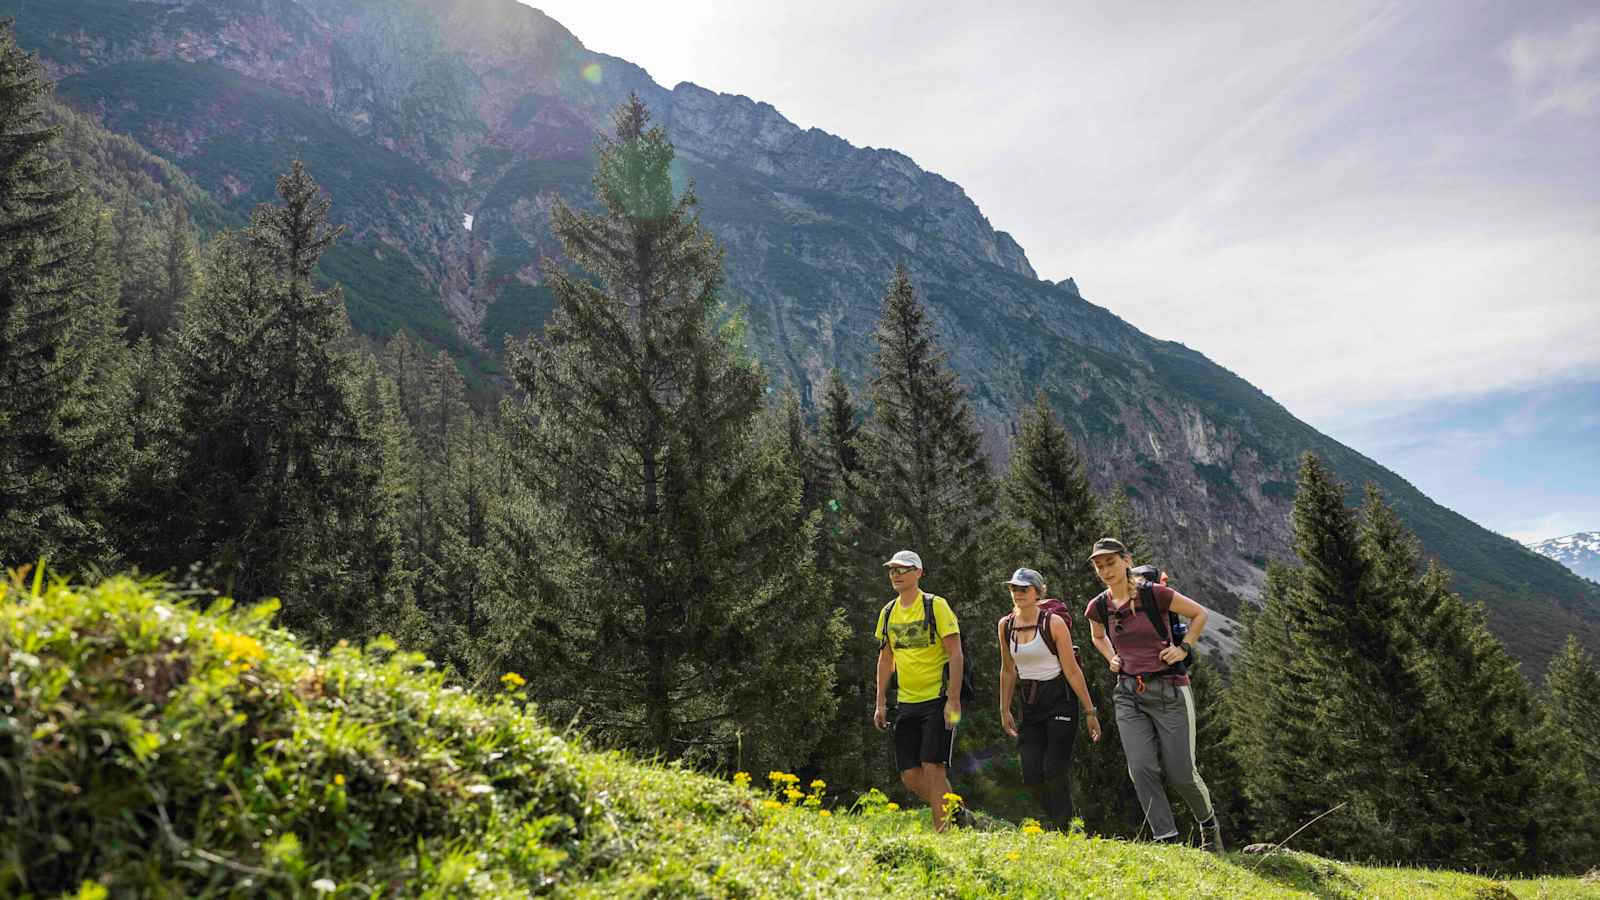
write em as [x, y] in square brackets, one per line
[1170, 626]
[967, 692]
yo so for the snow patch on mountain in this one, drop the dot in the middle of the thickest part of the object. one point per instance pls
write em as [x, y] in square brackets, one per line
[1579, 552]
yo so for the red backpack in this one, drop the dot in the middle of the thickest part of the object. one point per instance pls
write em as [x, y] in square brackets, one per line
[1047, 608]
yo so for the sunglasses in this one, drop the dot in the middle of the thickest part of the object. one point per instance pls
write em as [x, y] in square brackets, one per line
[901, 570]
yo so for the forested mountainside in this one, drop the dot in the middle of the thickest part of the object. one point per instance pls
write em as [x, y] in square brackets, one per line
[444, 129]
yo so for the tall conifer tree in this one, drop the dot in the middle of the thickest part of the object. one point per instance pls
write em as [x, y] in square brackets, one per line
[60, 361]
[1568, 741]
[927, 476]
[686, 599]
[1473, 761]
[278, 481]
[1326, 655]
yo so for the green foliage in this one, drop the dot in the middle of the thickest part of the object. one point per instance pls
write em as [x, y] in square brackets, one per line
[155, 750]
[63, 370]
[687, 616]
[927, 477]
[213, 755]
[1568, 742]
[275, 480]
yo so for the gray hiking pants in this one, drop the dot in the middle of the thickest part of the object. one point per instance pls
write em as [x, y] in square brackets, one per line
[1157, 729]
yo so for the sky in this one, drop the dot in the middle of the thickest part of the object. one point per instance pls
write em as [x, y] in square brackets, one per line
[1385, 215]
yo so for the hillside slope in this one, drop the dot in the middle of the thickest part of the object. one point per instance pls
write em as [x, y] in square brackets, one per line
[418, 114]
[154, 750]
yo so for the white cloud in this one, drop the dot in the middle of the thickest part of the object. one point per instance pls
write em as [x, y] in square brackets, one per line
[1557, 72]
[1334, 200]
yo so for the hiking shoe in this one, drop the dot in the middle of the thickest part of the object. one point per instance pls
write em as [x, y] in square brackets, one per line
[1211, 836]
[965, 819]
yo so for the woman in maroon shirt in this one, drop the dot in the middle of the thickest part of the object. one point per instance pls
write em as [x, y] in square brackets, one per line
[1153, 702]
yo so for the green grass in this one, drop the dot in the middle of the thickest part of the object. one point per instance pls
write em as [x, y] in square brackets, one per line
[149, 748]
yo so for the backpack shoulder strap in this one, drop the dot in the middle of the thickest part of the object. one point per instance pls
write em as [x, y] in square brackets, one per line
[1147, 599]
[1044, 631]
[883, 623]
[927, 615]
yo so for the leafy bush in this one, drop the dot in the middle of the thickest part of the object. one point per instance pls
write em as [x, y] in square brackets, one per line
[162, 750]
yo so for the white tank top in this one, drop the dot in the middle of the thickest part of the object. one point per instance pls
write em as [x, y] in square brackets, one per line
[1034, 660]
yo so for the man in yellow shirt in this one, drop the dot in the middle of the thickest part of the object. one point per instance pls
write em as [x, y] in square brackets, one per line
[921, 652]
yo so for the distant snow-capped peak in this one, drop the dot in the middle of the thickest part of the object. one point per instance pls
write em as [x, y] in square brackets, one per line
[1579, 552]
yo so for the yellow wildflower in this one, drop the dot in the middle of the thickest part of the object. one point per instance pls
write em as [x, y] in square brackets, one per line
[241, 648]
[512, 681]
[772, 804]
[892, 806]
[1032, 829]
[952, 798]
[818, 784]
[339, 780]
[1013, 856]
[742, 779]
[824, 813]
[792, 794]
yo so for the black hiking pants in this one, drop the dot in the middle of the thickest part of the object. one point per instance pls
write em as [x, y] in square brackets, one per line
[1045, 736]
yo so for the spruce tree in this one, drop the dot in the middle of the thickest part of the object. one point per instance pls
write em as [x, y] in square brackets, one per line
[1568, 743]
[1046, 488]
[61, 365]
[1474, 759]
[927, 479]
[1342, 668]
[852, 754]
[278, 482]
[684, 593]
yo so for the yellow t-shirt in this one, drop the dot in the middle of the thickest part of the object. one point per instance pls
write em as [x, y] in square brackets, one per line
[918, 664]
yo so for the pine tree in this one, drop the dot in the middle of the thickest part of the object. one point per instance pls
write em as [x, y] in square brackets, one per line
[1047, 488]
[852, 753]
[278, 484]
[1118, 520]
[927, 478]
[685, 594]
[1343, 667]
[1473, 755]
[1568, 742]
[62, 369]
[176, 279]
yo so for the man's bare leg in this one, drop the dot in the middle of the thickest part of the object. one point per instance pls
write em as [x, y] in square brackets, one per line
[937, 784]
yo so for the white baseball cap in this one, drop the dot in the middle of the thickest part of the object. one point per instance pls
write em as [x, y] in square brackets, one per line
[905, 558]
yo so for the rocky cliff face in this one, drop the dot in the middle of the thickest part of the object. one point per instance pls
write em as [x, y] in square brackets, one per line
[416, 114]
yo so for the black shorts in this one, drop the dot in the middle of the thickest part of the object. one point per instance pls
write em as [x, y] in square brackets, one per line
[920, 735]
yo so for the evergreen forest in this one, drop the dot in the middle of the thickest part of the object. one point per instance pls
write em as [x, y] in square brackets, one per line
[680, 559]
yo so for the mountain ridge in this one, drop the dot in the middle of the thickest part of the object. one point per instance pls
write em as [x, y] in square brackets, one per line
[417, 113]
[1579, 551]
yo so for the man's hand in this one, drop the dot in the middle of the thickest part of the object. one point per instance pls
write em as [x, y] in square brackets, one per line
[1094, 727]
[1008, 723]
[880, 717]
[1173, 655]
[952, 712]
[1116, 663]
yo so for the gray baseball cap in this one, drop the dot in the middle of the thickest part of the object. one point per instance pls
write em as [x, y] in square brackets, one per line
[1026, 578]
[905, 558]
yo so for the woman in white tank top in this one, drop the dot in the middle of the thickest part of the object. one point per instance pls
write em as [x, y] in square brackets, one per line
[1038, 663]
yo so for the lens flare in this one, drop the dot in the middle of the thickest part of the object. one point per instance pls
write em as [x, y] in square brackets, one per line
[592, 73]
